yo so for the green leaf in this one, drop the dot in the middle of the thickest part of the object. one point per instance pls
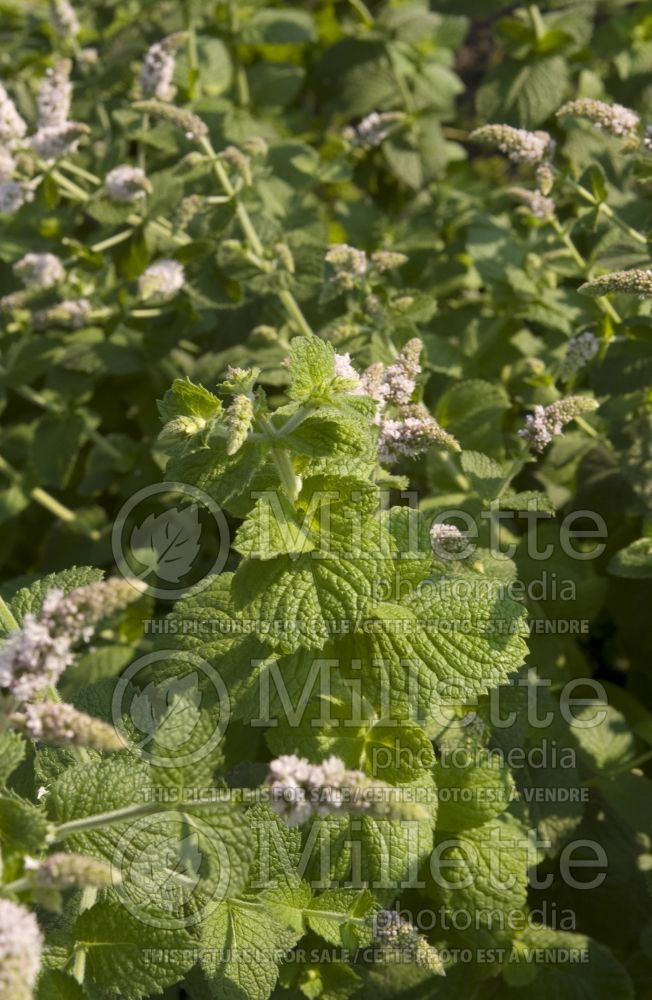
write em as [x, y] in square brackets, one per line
[353, 904]
[279, 27]
[527, 500]
[472, 411]
[524, 95]
[12, 752]
[486, 475]
[604, 737]
[312, 367]
[446, 641]
[471, 791]
[29, 599]
[633, 562]
[129, 958]
[184, 399]
[56, 985]
[482, 872]
[273, 528]
[23, 826]
[242, 948]
[594, 973]
[306, 596]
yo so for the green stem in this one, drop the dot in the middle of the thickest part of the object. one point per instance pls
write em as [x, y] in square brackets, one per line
[242, 83]
[583, 264]
[288, 300]
[194, 81]
[46, 500]
[364, 12]
[80, 172]
[627, 766]
[112, 241]
[338, 918]
[536, 21]
[608, 212]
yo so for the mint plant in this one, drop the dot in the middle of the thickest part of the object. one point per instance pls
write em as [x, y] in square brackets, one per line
[325, 338]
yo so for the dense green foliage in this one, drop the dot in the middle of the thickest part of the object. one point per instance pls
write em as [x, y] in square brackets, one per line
[312, 250]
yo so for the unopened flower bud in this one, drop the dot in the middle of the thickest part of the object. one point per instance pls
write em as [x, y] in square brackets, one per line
[637, 281]
[60, 725]
[616, 119]
[71, 871]
[540, 206]
[284, 256]
[545, 177]
[239, 418]
[387, 260]
[192, 126]
[518, 144]
[239, 162]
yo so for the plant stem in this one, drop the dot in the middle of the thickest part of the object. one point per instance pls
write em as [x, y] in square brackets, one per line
[291, 305]
[46, 500]
[602, 303]
[608, 213]
[112, 241]
[364, 12]
[34, 397]
[80, 172]
[536, 21]
[194, 81]
[242, 83]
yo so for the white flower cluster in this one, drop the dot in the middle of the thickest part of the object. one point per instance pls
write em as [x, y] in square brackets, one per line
[161, 281]
[65, 18]
[616, 119]
[410, 436]
[158, 69]
[126, 184]
[56, 135]
[59, 724]
[546, 422]
[300, 791]
[72, 313]
[21, 945]
[40, 270]
[349, 262]
[387, 260]
[637, 281]
[12, 125]
[414, 430]
[539, 205]
[13, 194]
[446, 539]
[7, 164]
[400, 940]
[55, 96]
[518, 144]
[34, 656]
[581, 349]
[374, 129]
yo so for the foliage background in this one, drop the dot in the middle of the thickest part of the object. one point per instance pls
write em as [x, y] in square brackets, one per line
[496, 296]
